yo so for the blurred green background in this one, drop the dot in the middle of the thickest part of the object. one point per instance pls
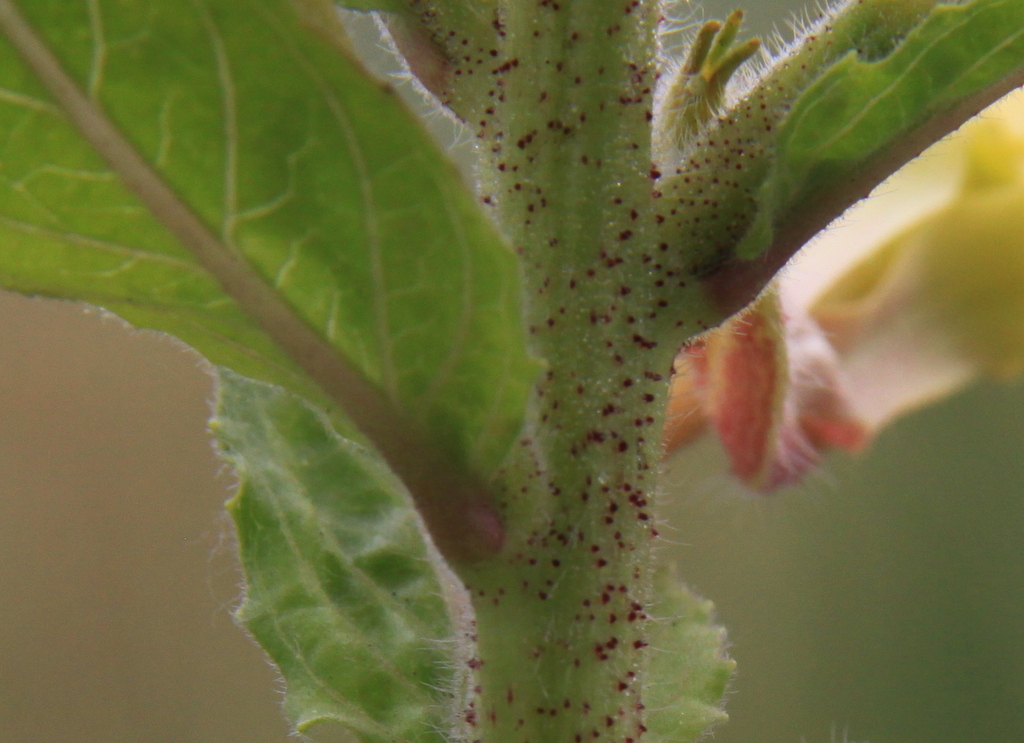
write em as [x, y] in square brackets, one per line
[884, 601]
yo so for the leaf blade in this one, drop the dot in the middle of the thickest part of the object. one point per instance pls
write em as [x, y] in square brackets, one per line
[340, 589]
[859, 110]
[291, 111]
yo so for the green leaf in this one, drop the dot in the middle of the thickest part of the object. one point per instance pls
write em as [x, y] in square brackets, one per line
[858, 111]
[288, 155]
[690, 666]
[340, 590]
[221, 171]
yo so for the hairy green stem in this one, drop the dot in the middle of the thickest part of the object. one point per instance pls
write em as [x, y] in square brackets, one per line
[561, 613]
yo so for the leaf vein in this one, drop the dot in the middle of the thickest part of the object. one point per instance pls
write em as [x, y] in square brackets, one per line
[17, 98]
[229, 111]
[76, 238]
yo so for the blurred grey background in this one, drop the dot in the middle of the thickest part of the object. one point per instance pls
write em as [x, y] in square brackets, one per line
[882, 602]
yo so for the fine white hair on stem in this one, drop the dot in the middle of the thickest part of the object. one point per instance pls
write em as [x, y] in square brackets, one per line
[675, 26]
[778, 47]
[678, 28]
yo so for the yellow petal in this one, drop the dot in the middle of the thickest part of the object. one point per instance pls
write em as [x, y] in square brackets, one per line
[972, 277]
[943, 300]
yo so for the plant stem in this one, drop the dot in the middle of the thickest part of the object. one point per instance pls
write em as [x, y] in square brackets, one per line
[560, 613]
